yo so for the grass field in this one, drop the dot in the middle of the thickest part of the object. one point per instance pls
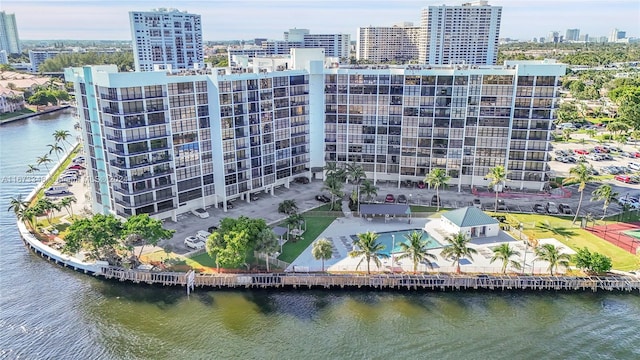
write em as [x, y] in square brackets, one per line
[575, 238]
[10, 115]
[315, 226]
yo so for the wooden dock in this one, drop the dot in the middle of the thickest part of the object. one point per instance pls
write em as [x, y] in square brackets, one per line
[426, 282]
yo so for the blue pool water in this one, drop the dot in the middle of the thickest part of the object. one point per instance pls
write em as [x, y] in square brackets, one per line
[386, 238]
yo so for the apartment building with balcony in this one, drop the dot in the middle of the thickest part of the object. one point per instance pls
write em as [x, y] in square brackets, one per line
[166, 39]
[464, 34]
[399, 43]
[165, 144]
[400, 123]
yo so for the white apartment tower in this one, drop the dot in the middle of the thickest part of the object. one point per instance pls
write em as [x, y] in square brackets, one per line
[165, 144]
[398, 43]
[166, 39]
[465, 34]
[9, 40]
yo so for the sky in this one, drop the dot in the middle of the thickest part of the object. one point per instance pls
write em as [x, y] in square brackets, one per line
[234, 20]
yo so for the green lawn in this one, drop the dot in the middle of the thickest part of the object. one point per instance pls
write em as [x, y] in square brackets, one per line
[15, 114]
[59, 171]
[576, 238]
[315, 226]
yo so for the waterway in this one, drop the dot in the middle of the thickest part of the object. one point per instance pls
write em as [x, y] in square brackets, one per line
[47, 312]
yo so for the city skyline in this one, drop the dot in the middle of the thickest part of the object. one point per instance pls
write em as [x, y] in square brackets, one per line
[223, 20]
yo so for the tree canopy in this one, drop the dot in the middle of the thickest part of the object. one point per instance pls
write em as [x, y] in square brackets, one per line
[123, 59]
[234, 238]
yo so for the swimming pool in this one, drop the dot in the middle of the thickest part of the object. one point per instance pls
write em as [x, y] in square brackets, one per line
[386, 238]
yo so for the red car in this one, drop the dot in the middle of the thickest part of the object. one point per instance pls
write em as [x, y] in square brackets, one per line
[634, 154]
[623, 178]
[581, 151]
[421, 184]
[390, 198]
[76, 167]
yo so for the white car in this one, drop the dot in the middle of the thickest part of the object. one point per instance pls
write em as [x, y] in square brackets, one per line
[201, 213]
[193, 243]
[202, 235]
[634, 166]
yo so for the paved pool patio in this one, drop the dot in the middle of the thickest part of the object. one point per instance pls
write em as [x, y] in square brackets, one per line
[339, 234]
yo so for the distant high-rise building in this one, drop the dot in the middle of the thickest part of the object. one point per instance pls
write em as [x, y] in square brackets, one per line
[572, 35]
[553, 37]
[3, 57]
[399, 42]
[584, 38]
[460, 34]
[166, 38]
[335, 45]
[9, 40]
[617, 35]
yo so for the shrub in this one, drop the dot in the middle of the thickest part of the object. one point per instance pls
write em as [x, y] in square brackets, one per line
[592, 262]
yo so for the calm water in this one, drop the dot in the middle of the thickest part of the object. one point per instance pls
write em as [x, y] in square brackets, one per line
[51, 313]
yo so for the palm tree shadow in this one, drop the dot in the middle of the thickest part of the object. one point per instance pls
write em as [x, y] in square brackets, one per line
[556, 230]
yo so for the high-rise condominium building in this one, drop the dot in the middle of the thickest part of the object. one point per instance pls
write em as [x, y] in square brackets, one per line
[9, 40]
[164, 38]
[164, 144]
[572, 35]
[465, 34]
[398, 43]
[335, 45]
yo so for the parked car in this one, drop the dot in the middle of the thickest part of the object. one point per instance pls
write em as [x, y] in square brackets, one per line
[436, 201]
[606, 157]
[552, 208]
[229, 205]
[565, 209]
[402, 199]
[623, 178]
[581, 151]
[76, 167]
[201, 213]
[301, 180]
[538, 208]
[562, 153]
[57, 189]
[421, 184]
[212, 228]
[571, 159]
[202, 235]
[600, 149]
[323, 198]
[390, 198]
[594, 157]
[502, 205]
[193, 243]
[477, 203]
[633, 166]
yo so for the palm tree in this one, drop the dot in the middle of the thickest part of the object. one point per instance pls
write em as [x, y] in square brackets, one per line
[606, 193]
[332, 169]
[369, 249]
[458, 248]
[591, 133]
[497, 175]
[44, 205]
[322, 250]
[55, 148]
[293, 221]
[44, 160]
[368, 189]
[416, 249]
[436, 178]
[334, 185]
[62, 136]
[504, 253]
[580, 174]
[32, 169]
[67, 202]
[27, 215]
[16, 204]
[356, 174]
[288, 207]
[552, 255]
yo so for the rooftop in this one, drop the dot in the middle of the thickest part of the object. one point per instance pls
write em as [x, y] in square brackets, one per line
[469, 216]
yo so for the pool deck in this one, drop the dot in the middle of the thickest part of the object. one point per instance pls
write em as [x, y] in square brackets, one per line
[340, 231]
